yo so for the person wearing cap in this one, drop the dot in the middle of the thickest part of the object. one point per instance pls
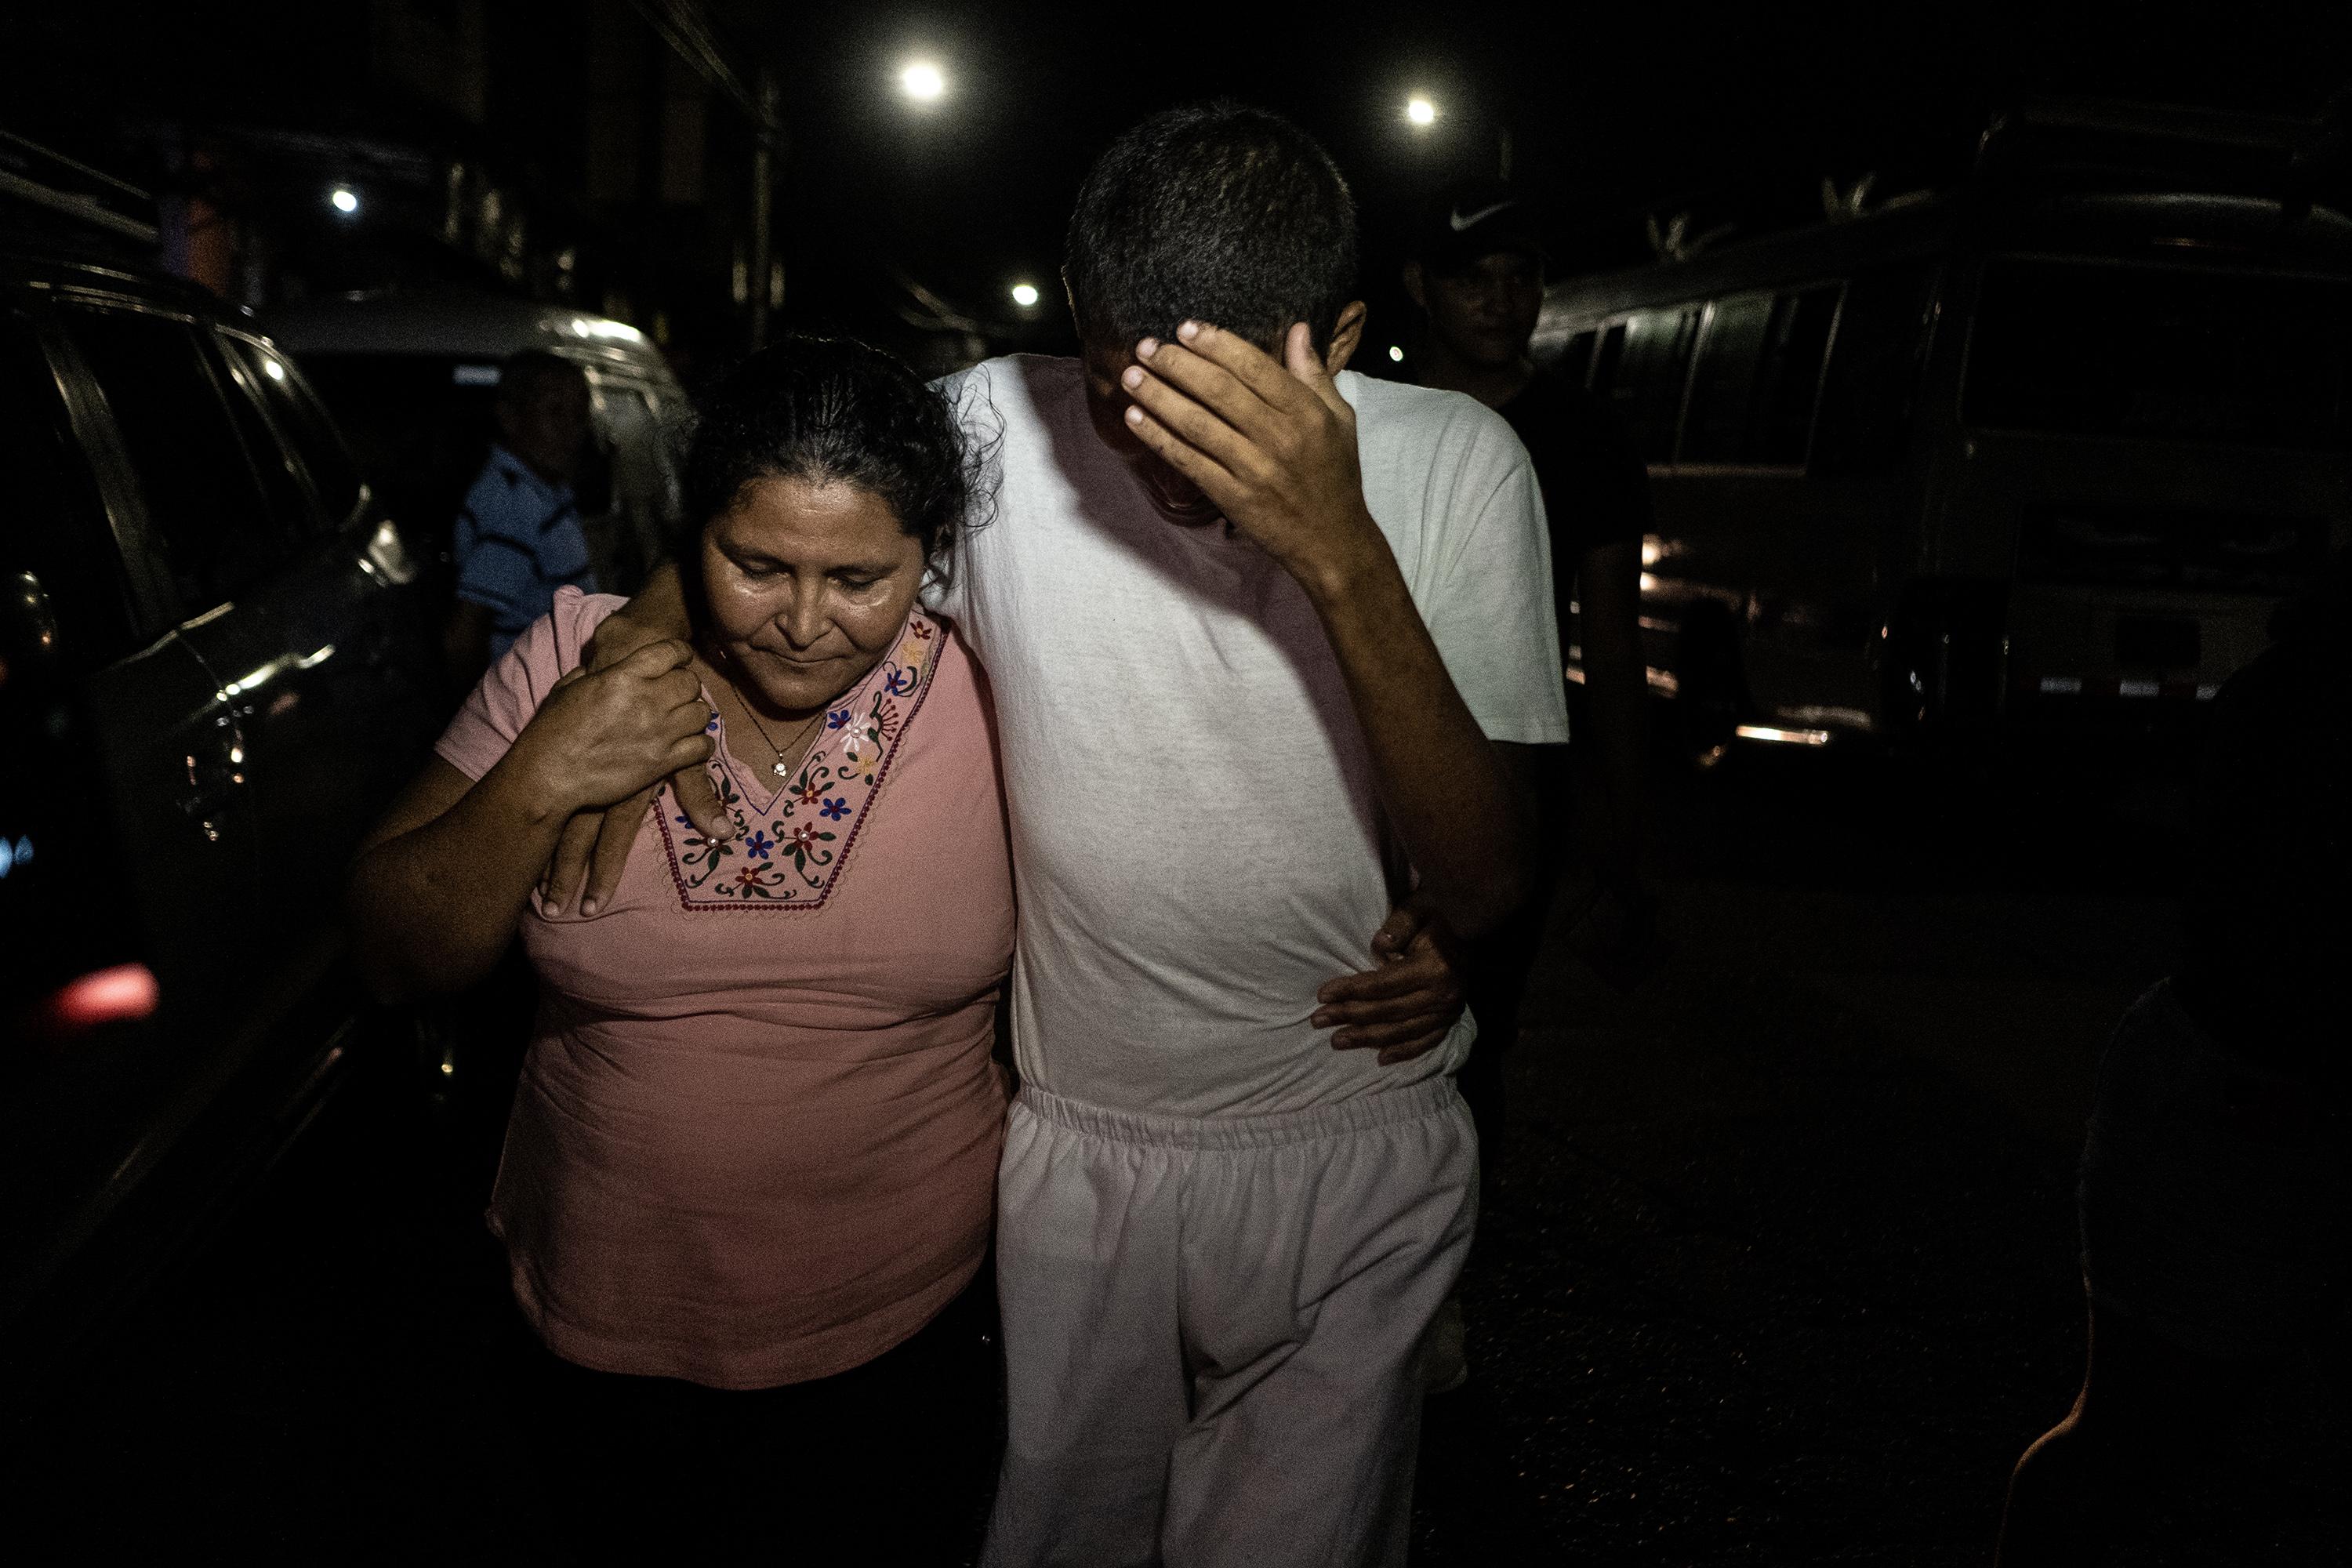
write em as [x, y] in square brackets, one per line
[1477, 272]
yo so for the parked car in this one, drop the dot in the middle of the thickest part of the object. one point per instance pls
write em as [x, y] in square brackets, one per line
[2033, 462]
[215, 667]
[414, 378]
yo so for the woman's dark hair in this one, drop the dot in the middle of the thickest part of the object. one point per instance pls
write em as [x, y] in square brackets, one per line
[830, 410]
[1215, 212]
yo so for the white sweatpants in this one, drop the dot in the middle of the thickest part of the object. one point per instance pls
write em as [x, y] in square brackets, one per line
[1211, 1327]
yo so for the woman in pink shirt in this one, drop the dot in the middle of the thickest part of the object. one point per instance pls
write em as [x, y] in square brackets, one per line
[754, 1144]
[753, 1155]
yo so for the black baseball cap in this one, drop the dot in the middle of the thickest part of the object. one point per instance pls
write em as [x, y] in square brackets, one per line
[1473, 219]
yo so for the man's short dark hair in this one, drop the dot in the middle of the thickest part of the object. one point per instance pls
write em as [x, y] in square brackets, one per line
[524, 374]
[1215, 212]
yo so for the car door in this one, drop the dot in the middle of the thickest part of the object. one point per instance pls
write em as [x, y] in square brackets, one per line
[365, 680]
[221, 526]
[123, 809]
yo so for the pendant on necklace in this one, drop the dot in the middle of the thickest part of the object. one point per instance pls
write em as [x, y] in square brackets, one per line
[781, 771]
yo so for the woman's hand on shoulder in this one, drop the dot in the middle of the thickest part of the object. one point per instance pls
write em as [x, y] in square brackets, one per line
[601, 737]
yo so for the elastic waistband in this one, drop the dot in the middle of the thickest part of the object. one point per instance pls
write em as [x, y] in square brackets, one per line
[1428, 1098]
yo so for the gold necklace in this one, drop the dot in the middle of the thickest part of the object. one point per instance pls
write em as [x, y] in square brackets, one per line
[783, 769]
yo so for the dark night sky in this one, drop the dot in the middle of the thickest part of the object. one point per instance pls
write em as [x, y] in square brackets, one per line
[1611, 109]
[1733, 112]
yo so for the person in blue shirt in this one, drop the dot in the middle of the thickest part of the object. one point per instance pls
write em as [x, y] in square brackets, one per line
[518, 536]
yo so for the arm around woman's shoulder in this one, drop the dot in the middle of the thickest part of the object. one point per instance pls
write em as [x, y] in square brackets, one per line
[440, 887]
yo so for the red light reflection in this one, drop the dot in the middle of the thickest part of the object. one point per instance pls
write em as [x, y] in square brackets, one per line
[112, 996]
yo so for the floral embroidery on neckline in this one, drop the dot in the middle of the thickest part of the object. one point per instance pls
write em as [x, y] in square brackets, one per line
[790, 854]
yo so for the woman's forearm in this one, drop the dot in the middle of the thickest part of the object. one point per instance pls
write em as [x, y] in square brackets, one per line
[433, 907]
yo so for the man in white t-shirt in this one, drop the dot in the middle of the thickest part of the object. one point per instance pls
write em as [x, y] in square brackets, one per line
[1260, 633]
[1254, 626]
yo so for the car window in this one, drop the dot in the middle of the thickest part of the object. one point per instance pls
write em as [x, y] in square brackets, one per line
[52, 523]
[1607, 354]
[302, 420]
[1575, 363]
[1789, 374]
[1869, 397]
[267, 450]
[1723, 385]
[217, 529]
[420, 424]
[641, 467]
[2162, 354]
[1645, 380]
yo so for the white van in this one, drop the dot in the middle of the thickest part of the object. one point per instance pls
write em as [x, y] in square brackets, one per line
[2034, 460]
[413, 377]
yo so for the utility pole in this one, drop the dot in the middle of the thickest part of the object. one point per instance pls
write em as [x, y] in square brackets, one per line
[686, 27]
[762, 202]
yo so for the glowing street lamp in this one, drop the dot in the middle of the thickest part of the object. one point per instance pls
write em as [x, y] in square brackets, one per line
[922, 81]
[1025, 295]
[1421, 113]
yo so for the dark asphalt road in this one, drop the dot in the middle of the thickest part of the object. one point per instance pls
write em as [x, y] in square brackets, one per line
[1781, 1271]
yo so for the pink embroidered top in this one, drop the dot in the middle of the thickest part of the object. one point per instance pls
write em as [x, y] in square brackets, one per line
[755, 1140]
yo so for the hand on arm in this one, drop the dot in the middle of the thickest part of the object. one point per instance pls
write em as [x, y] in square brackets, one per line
[593, 847]
[1408, 1002]
[440, 885]
[1276, 448]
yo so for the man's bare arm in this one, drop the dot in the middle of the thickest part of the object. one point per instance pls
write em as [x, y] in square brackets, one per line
[1276, 448]
[593, 848]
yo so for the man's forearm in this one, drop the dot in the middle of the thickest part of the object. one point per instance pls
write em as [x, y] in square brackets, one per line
[1463, 819]
[659, 607]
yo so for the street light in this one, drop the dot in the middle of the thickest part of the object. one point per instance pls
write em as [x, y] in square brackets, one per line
[922, 81]
[1421, 113]
[1025, 295]
[344, 200]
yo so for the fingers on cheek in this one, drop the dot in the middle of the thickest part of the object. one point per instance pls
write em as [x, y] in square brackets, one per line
[1154, 431]
[1170, 446]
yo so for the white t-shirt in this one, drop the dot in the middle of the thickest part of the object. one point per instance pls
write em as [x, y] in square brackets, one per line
[1196, 836]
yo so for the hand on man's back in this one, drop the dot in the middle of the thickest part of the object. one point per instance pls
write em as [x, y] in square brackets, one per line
[594, 848]
[1405, 1005]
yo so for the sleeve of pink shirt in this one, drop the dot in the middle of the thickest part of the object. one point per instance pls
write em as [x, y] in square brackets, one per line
[519, 681]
